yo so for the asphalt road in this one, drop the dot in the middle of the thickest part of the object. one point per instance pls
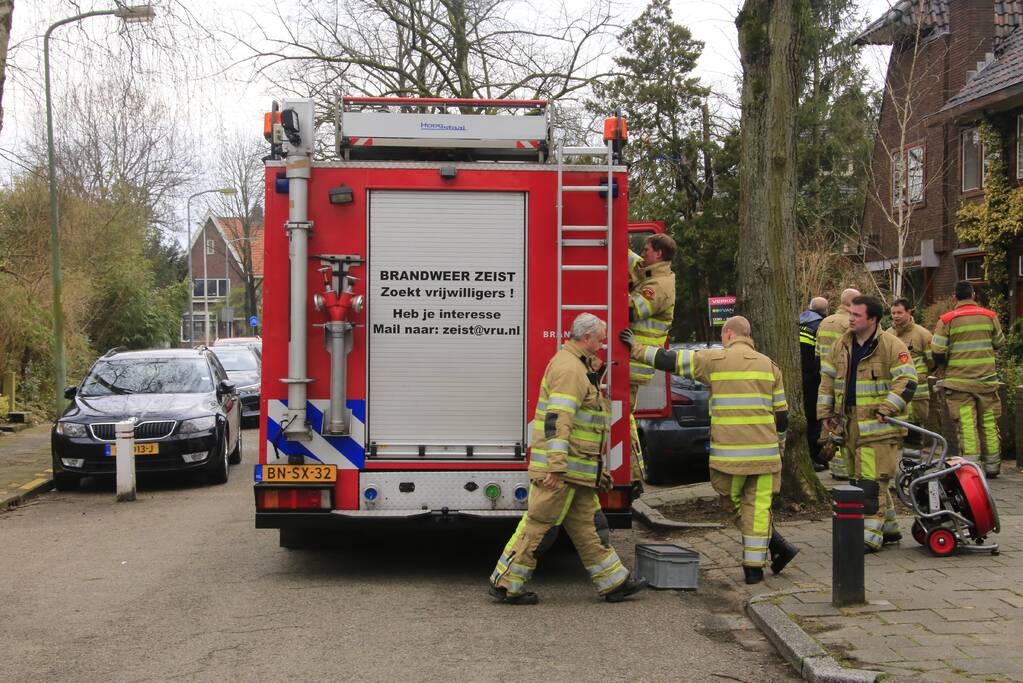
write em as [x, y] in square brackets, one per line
[179, 586]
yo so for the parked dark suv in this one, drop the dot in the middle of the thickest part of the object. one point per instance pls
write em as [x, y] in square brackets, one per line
[683, 438]
[242, 364]
[187, 416]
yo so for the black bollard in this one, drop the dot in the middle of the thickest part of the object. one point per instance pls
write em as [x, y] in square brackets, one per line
[847, 546]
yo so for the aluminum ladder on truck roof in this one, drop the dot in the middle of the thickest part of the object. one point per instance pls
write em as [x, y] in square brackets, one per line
[420, 129]
[608, 154]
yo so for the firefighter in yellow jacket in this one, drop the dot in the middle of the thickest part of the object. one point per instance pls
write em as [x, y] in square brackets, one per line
[965, 340]
[917, 339]
[829, 331]
[868, 375]
[651, 311]
[748, 419]
[570, 426]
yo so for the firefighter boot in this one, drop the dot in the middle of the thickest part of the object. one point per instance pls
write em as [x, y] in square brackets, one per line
[501, 595]
[782, 552]
[753, 574]
[628, 587]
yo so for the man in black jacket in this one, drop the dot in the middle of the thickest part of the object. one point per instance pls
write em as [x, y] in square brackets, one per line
[809, 321]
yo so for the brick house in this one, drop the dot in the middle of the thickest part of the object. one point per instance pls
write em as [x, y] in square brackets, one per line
[953, 64]
[217, 270]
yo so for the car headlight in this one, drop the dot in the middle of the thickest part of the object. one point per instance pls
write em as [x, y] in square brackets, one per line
[198, 424]
[248, 389]
[72, 429]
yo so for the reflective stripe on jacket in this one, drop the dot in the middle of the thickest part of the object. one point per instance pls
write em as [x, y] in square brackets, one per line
[574, 413]
[651, 311]
[917, 339]
[885, 382]
[746, 391]
[965, 339]
[830, 329]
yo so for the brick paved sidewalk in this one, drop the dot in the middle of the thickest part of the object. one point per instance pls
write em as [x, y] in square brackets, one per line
[957, 618]
[25, 465]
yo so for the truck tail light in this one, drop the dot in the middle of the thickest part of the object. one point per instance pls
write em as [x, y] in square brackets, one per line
[298, 498]
[617, 499]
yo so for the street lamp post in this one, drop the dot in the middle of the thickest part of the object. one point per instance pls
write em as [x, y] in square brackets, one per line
[139, 14]
[191, 280]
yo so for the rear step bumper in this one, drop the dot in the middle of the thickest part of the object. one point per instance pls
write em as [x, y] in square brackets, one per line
[406, 519]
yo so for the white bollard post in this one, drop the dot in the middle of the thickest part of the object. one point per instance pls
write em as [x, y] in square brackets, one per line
[125, 432]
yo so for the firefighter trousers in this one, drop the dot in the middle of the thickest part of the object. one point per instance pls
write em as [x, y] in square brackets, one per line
[636, 465]
[976, 418]
[574, 508]
[920, 411]
[747, 498]
[872, 467]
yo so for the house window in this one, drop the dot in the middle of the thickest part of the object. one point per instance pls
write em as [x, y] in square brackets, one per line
[897, 184]
[211, 288]
[970, 160]
[908, 175]
[915, 174]
[973, 268]
[1019, 266]
[210, 247]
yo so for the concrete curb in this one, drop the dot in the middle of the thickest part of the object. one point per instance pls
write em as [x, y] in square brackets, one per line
[22, 495]
[804, 653]
[654, 518]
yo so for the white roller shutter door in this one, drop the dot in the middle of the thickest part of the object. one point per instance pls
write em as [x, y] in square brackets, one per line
[446, 317]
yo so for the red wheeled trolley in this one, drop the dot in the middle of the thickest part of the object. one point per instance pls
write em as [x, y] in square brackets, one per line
[950, 497]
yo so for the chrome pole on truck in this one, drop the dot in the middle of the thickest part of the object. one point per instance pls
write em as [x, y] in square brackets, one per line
[297, 131]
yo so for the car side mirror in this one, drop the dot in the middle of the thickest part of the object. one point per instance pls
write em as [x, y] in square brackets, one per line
[227, 387]
[70, 391]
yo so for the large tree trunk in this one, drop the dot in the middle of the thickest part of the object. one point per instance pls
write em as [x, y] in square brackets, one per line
[770, 33]
[6, 13]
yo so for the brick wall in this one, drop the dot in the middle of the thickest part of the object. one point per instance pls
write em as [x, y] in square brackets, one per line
[940, 71]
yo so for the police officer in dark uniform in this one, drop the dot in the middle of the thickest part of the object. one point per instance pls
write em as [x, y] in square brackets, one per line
[809, 321]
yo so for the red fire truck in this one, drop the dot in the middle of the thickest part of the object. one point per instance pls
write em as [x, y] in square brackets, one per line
[416, 285]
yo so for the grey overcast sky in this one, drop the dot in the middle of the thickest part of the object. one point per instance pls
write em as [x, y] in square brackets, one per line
[210, 97]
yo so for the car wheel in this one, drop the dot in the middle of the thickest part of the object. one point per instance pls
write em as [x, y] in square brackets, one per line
[654, 467]
[236, 454]
[218, 468]
[66, 482]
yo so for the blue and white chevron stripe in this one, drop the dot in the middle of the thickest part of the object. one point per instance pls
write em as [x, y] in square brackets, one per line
[347, 452]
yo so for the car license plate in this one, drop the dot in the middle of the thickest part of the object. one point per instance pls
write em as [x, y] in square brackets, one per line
[140, 449]
[313, 474]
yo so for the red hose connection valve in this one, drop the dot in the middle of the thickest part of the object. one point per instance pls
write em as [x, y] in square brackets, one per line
[338, 306]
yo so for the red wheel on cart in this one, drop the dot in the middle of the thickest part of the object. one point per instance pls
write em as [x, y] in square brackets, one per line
[941, 542]
[919, 533]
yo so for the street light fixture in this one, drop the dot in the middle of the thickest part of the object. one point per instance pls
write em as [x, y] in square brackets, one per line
[191, 280]
[137, 14]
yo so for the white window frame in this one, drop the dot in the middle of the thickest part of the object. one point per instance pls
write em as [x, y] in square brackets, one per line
[902, 170]
[898, 179]
[1019, 265]
[211, 247]
[966, 273]
[981, 159]
[921, 167]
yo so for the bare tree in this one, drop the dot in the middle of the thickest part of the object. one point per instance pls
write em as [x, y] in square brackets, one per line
[901, 192]
[6, 15]
[240, 167]
[134, 147]
[434, 48]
